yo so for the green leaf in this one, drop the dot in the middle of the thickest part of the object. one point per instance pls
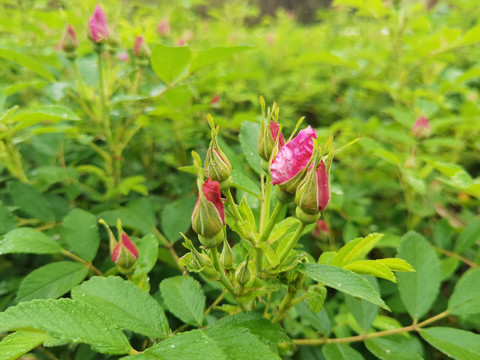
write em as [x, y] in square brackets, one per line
[343, 280]
[31, 201]
[319, 321]
[395, 264]
[371, 267]
[340, 352]
[386, 349]
[19, 343]
[418, 290]
[316, 295]
[356, 249]
[386, 323]
[469, 236]
[175, 217]
[147, 254]
[51, 281]
[456, 343]
[249, 133]
[465, 299]
[29, 241]
[363, 311]
[442, 234]
[269, 253]
[27, 62]
[169, 63]
[191, 345]
[214, 55]
[80, 233]
[39, 114]
[240, 343]
[258, 325]
[184, 298]
[132, 308]
[7, 220]
[68, 320]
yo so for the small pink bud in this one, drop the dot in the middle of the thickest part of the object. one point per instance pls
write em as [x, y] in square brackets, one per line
[68, 42]
[290, 164]
[421, 129]
[98, 26]
[163, 28]
[320, 228]
[125, 253]
[141, 49]
[123, 56]
[215, 99]
[181, 42]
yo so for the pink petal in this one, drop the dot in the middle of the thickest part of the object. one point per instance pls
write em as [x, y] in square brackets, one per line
[98, 25]
[129, 245]
[274, 127]
[211, 190]
[323, 186]
[293, 157]
[116, 251]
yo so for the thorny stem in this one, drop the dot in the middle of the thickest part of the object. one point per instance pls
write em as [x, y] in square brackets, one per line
[80, 260]
[292, 242]
[413, 327]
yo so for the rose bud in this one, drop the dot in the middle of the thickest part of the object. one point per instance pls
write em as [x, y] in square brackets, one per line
[242, 274]
[69, 43]
[125, 254]
[215, 99]
[123, 56]
[98, 26]
[292, 161]
[141, 49]
[217, 166]
[208, 216]
[268, 137]
[227, 258]
[421, 129]
[320, 228]
[313, 194]
[163, 28]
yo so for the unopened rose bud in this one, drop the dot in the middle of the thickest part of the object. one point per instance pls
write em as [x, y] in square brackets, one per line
[291, 163]
[313, 194]
[125, 254]
[215, 99]
[123, 56]
[269, 133]
[421, 129]
[242, 274]
[69, 43]
[227, 257]
[141, 49]
[163, 28]
[320, 228]
[98, 27]
[217, 166]
[208, 216]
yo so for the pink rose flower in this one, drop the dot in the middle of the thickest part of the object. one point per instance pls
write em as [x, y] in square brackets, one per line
[98, 25]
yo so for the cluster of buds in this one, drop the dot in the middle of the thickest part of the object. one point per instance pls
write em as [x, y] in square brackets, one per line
[100, 34]
[123, 251]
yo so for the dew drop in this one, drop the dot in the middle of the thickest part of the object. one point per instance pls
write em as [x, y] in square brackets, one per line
[339, 284]
[387, 351]
[172, 346]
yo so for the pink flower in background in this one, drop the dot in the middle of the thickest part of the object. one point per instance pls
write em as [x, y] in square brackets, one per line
[124, 245]
[293, 158]
[138, 44]
[123, 56]
[98, 25]
[320, 228]
[215, 99]
[421, 129]
[180, 42]
[163, 28]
